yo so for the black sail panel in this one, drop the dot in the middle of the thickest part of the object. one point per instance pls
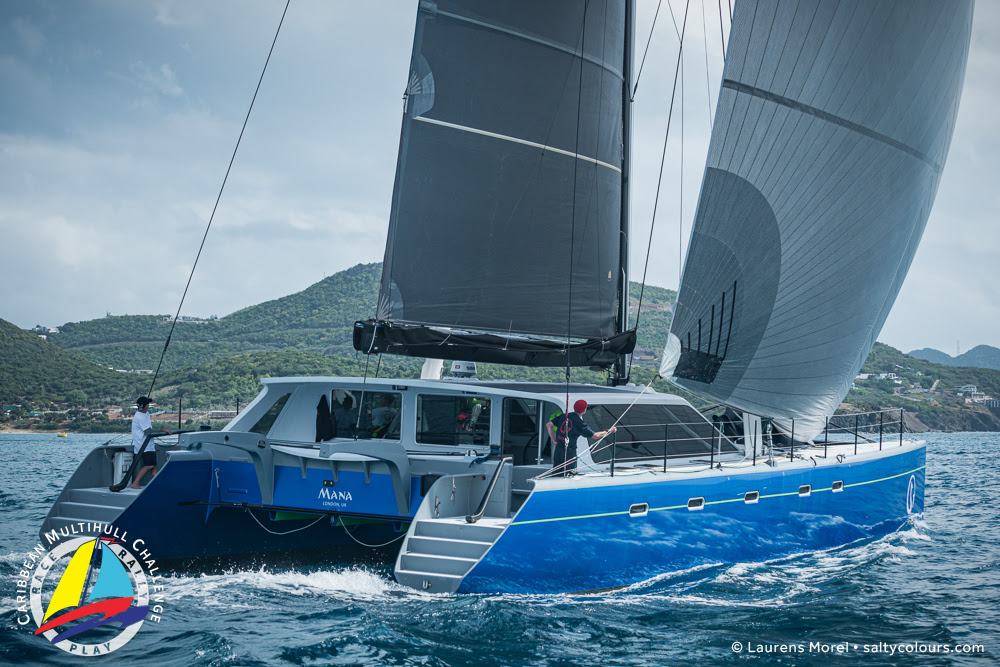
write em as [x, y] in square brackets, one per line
[832, 128]
[507, 207]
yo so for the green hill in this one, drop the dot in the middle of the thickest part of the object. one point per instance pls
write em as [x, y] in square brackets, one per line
[926, 390]
[981, 356]
[33, 370]
[318, 319]
[213, 364]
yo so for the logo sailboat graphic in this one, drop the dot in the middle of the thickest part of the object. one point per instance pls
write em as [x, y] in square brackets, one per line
[109, 601]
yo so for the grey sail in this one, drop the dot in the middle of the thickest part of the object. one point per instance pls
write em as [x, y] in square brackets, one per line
[833, 124]
[506, 232]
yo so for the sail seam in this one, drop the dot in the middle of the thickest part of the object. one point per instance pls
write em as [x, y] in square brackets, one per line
[515, 140]
[537, 40]
[829, 117]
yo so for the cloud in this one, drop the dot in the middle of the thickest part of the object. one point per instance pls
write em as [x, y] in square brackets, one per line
[161, 80]
[31, 37]
[115, 147]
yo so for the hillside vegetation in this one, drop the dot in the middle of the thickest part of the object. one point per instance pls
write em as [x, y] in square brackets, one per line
[318, 319]
[35, 371]
[215, 364]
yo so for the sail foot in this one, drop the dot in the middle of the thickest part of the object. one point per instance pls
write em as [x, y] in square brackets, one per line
[374, 337]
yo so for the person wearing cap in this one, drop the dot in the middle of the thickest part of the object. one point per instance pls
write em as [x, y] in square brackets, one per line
[141, 427]
[564, 431]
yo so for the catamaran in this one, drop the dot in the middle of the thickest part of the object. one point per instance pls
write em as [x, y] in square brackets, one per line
[509, 243]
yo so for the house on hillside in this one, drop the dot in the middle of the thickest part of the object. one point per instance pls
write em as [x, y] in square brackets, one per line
[964, 388]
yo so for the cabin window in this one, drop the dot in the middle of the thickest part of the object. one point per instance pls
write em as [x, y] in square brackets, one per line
[381, 412]
[639, 509]
[696, 504]
[805, 490]
[751, 497]
[643, 429]
[266, 421]
[520, 430]
[453, 419]
[837, 486]
[344, 410]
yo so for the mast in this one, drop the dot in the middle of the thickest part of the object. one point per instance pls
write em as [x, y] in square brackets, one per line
[620, 375]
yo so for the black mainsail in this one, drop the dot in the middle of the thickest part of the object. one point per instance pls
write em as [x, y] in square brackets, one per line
[832, 128]
[508, 233]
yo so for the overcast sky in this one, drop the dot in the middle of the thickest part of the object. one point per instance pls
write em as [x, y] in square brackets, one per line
[118, 119]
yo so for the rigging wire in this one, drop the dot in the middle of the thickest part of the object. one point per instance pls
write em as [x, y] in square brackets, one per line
[722, 34]
[708, 73]
[659, 180]
[680, 194]
[631, 97]
[572, 230]
[217, 199]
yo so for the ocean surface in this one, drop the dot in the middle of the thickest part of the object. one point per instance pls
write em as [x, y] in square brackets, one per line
[899, 600]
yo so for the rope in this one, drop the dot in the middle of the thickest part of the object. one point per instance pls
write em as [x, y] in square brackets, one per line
[722, 33]
[659, 180]
[572, 229]
[646, 51]
[217, 199]
[708, 74]
[287, 532]
[562, 466]
[370, 546]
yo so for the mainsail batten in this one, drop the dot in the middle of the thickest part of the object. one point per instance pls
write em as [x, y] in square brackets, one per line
[831, 131]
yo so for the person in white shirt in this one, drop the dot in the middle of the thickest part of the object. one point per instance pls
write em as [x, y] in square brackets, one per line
[141, 427]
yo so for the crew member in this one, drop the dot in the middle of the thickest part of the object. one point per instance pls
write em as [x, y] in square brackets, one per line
[564, 431]
[141, 427]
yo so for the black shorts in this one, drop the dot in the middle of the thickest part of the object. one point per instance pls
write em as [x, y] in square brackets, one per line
[149, 458]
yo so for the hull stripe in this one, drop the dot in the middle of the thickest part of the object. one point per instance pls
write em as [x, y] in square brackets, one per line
[711, 502]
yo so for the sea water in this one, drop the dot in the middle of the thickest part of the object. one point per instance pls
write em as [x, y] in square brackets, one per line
[901, 600]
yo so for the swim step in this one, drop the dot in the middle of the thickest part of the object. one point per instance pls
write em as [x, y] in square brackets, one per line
[415, 562]
[90, 512]
[101, 496]
[443, 546]
[438, 553]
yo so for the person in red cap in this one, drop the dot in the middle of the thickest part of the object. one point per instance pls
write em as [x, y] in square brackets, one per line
[564, 431]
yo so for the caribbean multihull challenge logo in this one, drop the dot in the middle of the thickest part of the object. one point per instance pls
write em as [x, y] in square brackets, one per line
[95, 593]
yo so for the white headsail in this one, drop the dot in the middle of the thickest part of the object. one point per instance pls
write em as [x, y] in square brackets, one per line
[832, 128]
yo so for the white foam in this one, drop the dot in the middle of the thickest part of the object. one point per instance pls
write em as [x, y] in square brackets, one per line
[348, 583]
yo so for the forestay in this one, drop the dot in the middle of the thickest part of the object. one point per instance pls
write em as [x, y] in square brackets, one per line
[507, 215]
[832, 128]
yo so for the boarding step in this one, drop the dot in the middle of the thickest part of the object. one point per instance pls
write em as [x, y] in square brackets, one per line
[442, 546]
[437, 564]
[432, 582]
[101, 496]
[485, 530]
[89, 512]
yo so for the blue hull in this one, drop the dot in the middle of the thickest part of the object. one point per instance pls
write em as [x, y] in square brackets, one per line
[179, 516]
[581, 539]
[572, 535]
